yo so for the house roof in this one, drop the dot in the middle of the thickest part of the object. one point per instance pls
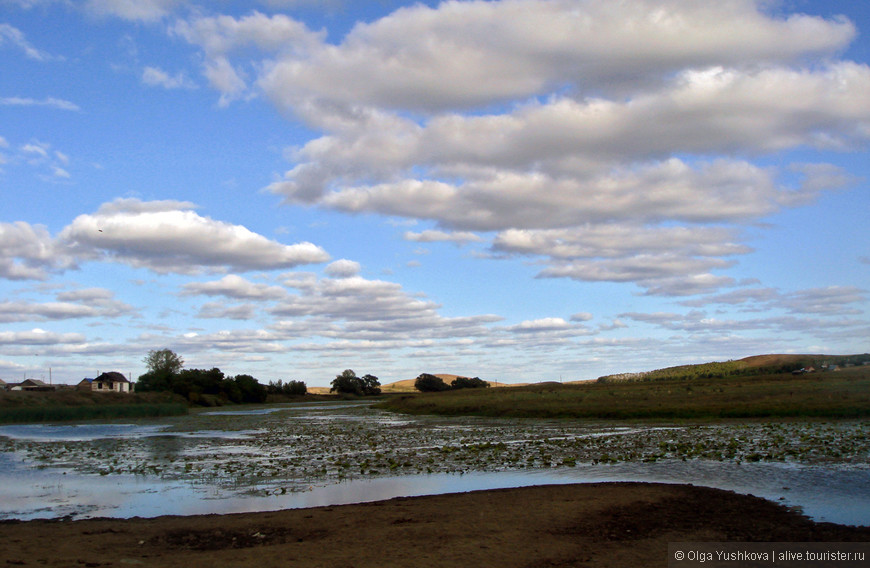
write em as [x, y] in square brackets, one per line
[112, 377]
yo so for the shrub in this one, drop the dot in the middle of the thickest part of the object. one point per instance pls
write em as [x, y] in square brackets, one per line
[466, 383]
[430, 383]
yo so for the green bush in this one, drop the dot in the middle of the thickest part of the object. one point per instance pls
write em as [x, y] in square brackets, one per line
[430, 383]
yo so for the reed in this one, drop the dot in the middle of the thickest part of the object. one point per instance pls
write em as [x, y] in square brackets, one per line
[93, 412]
[71, 404]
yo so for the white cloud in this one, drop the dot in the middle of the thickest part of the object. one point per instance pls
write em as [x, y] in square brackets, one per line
[50, 102]
[236, 287]
[156, 77]
[28, 252]
[354, 308]
[543, 324]
[826, 301]
[134, 10]
[609, 116]
[431, 236]
[343, 268]
[665, 260]
[462, 54]
[39, 337]
[14, 36]
[168, 236]
[220, 310]
[43, 158]
[219, 36]
[76, 304]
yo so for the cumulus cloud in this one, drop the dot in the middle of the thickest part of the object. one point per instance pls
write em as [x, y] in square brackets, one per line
[28, 252]
[343, 268]
[235, 287]
[462, 54]
[614, 141]
[168, 236]
[352, 307]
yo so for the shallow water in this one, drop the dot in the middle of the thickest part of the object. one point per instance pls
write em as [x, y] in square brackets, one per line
[308, 455]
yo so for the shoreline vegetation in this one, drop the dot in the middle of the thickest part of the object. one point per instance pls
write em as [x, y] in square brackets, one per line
[71, 404]
[841, 394]
[764, 386]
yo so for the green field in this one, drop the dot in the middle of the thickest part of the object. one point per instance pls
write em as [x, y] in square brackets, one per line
[831, 394]
[71, 404]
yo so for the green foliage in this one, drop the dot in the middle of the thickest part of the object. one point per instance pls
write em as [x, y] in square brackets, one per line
[205, 387]
[249, 389]
[430, 383]
[371, 385]
[92, 412]
[843, 394]
[348, 383]
[163, 361]
[466, 383]
[74, 404]
[749, 367]
[290, 388]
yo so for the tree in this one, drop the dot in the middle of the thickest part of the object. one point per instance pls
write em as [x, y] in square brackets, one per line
[250, 389]
[430, 383]
[347, 383]
[466, 383]
[371, 385]
[163, 361]
[163, 367]
[290, 388]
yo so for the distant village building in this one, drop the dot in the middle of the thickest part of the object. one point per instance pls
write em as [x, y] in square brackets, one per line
[112, 381]
[29, 385]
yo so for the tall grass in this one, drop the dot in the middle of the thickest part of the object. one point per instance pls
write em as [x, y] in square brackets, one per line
[92, 412]
[844, 394]
[71, 404]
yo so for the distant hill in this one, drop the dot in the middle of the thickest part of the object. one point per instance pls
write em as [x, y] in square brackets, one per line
[408, 384]
[748, 366]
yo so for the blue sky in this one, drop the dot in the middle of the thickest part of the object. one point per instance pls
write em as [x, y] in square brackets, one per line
[519, 190]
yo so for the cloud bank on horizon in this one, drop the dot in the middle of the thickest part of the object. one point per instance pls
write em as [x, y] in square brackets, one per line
[512, 189]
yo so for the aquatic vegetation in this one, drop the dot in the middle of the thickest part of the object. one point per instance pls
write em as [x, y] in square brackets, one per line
[293, 447]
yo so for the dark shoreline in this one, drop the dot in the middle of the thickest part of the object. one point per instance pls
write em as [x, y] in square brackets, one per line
[596, 524]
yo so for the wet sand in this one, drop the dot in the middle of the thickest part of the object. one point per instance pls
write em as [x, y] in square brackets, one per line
[598, 524]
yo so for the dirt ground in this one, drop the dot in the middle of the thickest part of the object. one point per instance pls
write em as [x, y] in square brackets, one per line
[602, 524]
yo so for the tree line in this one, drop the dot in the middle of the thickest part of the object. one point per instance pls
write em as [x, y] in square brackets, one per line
[207, 386]
[431, 383]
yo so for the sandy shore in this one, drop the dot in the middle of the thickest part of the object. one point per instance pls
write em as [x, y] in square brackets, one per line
[602, 524]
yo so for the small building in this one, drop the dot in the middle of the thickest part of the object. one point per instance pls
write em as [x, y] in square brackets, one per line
[112, 381]
[29, 385]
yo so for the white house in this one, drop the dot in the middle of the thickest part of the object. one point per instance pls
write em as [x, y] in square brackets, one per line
[112, 381]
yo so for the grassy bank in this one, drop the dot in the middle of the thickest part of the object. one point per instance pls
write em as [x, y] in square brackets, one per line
[70, 404]
[841, 394]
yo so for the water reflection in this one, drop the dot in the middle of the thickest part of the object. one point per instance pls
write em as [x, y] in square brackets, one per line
[840, 496]
[324, 454]
[78, 432]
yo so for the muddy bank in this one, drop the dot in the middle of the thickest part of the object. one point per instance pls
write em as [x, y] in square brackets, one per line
[602, 524]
